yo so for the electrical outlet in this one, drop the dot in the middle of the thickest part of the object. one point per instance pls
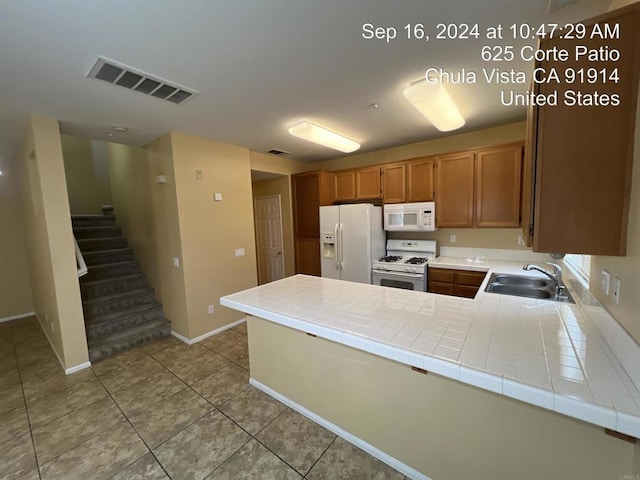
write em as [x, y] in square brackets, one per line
[239, 252]
[616, 289]
[520, 240]
[176, 262]
[605, 280]
[210, 309]
[452, 238]
[198, 174]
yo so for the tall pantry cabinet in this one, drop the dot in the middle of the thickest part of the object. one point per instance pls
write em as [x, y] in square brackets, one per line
[310, 191]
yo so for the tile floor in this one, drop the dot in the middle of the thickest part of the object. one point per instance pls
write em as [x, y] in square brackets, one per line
[163, 410]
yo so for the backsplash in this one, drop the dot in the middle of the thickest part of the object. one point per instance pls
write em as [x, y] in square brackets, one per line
[496, 254]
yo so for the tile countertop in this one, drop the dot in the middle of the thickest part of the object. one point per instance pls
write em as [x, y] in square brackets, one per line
[541, 352]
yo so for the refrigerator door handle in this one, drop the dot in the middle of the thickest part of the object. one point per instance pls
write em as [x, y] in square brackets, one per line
[341, 245]
[337, 244]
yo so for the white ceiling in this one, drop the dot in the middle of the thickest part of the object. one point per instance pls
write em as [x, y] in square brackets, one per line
[259, 65]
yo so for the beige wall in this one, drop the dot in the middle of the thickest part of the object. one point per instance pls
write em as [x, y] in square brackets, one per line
[210, 231]
[167, 280]
[512, 132]
[15, 283]
[627, 268]
[438, 426]
[281, 186]
[49, 241]
[263, 162]
[130, 185]
[87, 175]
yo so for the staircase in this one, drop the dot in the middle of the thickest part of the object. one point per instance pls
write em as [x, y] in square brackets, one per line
[119, 307]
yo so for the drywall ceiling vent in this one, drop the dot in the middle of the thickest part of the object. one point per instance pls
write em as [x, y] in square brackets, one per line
[275, 151]
[133, 79]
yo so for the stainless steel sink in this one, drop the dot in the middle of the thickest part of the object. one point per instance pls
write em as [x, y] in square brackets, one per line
[504, 279]
[530, 287]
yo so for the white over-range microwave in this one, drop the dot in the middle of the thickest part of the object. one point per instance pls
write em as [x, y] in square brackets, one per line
[410, 217]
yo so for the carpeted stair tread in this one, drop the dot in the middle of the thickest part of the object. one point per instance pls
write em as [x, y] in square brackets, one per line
[97, 232]
[153, 307]
[117, 302]
[98, 257]
[102, 281]
[106, 243]
[127, 338]
[116, 296]
[92, 220]
[109, 270]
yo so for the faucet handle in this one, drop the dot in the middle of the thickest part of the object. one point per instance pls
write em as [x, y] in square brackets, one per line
[557, 270]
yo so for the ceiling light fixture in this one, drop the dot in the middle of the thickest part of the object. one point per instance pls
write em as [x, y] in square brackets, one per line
[315, 133]
[111, 134]
[432, 100]
[120, 129]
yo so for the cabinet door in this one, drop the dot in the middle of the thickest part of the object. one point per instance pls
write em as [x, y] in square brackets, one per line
[368, 183]
[441, 288]
[454, 190]
[585, 152]
[344, 186]
[308, 256]
[498, 179]
[465, 291]
[394, 183]
[420, 180]
[306, 194]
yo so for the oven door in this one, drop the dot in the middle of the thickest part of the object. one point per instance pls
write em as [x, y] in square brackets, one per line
[407, 281]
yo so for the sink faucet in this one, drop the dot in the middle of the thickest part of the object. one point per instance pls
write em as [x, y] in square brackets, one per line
[556, 276]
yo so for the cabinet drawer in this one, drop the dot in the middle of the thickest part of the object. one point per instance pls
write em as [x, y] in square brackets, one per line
[473, 279]
[441, 288]
[465, 291]
[441, 275]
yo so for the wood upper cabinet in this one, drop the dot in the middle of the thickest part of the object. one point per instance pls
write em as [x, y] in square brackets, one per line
[309, 191]
[394, 183]
[455, 190]
[344, 185]
[357, 184]
[498, 180]
[420, 180]
[583, 155]
[368, 183]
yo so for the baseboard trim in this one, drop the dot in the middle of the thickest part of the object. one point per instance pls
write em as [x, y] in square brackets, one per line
[67, 371]
[77, 368]
[357, 441]
[17, 317]
[191, 341]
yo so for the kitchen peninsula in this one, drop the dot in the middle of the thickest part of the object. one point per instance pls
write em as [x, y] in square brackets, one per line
[444, 387]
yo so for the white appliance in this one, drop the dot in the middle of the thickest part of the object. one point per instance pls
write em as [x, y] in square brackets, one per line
[351, 237]
[405, 265]
[410, 217]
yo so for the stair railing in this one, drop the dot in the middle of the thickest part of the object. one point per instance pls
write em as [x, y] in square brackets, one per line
[82, 267]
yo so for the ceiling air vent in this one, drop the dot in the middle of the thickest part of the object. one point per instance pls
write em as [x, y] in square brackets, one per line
[139, 81]
[275, 151]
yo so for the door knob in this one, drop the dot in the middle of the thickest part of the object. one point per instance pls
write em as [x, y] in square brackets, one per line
[278, 253]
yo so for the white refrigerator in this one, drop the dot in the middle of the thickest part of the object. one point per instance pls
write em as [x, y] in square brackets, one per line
[351, 237]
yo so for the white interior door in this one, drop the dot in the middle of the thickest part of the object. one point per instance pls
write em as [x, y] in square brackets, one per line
[269, 238]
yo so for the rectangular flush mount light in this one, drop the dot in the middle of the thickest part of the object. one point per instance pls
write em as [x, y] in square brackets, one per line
[433, 101]
[323, 136]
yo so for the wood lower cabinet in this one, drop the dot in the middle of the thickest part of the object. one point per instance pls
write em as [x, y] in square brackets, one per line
[455, 190]
[459, 283]
[394, 183]
[420, 180]
[498, 180]
[368, 183]
[309, 191]
[582, 154]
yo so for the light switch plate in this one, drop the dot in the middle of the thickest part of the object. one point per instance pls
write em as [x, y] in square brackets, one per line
[605, 281]
[210, 309]
[176, 261]
[239, 252]
[616, 289]
[217, 197]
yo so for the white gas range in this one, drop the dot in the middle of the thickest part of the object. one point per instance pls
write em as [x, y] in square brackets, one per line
[405, 265]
